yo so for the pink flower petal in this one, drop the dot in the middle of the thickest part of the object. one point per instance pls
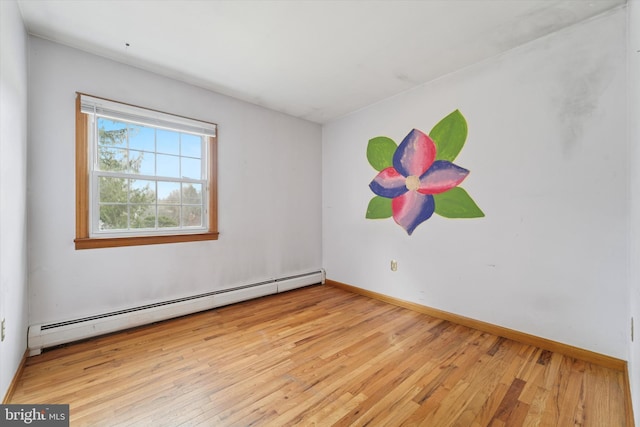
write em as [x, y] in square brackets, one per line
[442, 176]
[412, 209]
[415, 154]
[388, 183]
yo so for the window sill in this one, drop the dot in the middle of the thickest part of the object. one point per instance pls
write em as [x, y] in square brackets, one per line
[114, 242]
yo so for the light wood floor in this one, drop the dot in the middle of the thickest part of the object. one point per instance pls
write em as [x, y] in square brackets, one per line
[319, 356]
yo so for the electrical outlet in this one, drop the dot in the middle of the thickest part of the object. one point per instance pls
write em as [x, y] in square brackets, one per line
[2, 331]
[394, 265]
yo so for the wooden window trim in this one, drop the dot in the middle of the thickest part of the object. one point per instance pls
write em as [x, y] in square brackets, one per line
[83, 239]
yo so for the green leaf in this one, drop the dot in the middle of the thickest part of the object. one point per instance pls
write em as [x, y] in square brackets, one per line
[380, 152]
[449, 136]
[456, 203]
[379, 208]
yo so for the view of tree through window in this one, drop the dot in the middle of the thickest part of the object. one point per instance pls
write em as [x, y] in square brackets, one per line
[142, 174]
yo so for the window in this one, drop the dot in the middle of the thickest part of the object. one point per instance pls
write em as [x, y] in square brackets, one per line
[142, 176]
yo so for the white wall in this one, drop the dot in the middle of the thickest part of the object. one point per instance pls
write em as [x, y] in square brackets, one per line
[547, 151]
[634, 143]
[13, 190]
[269, 193]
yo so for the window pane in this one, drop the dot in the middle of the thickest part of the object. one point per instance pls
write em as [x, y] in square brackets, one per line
[112, 190]
[142, 191]
[191, 168]
[192, 194]
[142, 162]
[141, 138]
[168, 166]
[191, 145]
[113, 217]
[168, 141]
[168, 192]
[112, 133]
[168, 216]
[112, 159]
[143, 216]
[191, 216]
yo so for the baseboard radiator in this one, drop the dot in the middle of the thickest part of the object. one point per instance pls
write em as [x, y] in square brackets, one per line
[53, 334]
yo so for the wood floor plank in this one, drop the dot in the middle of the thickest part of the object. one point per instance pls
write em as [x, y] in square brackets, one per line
[319, 356]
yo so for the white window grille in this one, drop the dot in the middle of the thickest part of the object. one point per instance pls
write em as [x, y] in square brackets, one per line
[148, 171]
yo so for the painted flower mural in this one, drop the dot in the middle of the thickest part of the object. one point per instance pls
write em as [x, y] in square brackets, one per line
[418, 178]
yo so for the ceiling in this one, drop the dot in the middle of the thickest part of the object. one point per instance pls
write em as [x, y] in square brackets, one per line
[316, 60]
